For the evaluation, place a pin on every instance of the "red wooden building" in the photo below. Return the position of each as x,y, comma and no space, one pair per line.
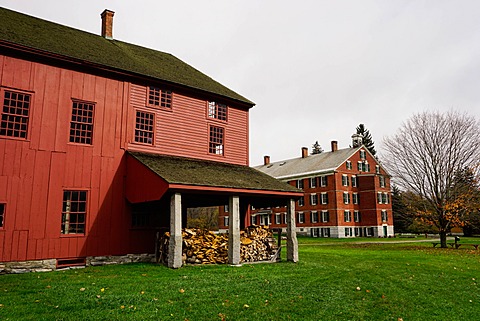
103,143
347,194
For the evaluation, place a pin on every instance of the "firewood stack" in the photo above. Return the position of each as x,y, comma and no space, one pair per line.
207,247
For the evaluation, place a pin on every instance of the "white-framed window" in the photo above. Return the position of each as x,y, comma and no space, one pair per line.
346,198
348,164
314,217
377,169
284,218
354,181
301,217
355,198
313,182
300,183
366,167
344,180
278,219
381,180
325,216
225,208
379,197
325,232
384,198
323,181
384,216
253,220
348,231
301,201
357,217
347,216
313,199
314,232
226,220
363,154
324,198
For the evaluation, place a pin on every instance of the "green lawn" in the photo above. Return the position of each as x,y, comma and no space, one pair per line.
337,281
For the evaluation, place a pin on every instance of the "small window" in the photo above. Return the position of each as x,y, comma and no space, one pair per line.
325,216
349,164
216,140
300,183
354,181
348,231
357,216
2,215
379,198
314,217
384,198
301,217
74,212
325,232
346,198
158,97
313,182
217,111
313,199
301,201
140,215
323,181
81,125
144,127
347,216
253,220
15,114
384,216
278,219
324,198
226,220
363,154
355,198
344,180
381,180
377,169
225,208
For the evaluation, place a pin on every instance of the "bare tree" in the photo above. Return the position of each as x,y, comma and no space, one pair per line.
424,156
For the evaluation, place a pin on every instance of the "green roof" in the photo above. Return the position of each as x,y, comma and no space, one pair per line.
188,171
56,39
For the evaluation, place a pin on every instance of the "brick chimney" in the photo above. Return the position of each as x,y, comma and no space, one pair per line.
107,24
304,152
266,160
334,145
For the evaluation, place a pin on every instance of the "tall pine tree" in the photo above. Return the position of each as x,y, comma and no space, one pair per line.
316,148
367,138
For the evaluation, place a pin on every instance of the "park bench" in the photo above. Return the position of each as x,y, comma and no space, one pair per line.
456,245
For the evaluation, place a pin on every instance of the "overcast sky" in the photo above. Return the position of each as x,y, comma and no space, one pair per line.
315,69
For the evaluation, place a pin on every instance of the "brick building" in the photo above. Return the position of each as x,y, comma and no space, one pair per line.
346,194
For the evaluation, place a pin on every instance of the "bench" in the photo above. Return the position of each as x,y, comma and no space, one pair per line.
474,245
456,245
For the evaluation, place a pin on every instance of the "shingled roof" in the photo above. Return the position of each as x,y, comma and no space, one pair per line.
188,171
57,40
313,164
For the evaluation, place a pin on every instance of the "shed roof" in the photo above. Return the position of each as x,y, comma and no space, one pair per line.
187,171
313,164
58,40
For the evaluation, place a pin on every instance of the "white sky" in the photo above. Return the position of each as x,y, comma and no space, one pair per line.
315,68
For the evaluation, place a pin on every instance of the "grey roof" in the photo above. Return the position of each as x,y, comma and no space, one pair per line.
188,171
313,164
54,40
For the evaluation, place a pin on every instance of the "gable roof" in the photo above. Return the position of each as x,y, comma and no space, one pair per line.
313,164
187,171
50,38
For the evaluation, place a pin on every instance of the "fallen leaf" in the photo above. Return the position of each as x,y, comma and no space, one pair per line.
246,306
98,296
82,289
181,291
48,286
142,292
358,288
368,291
400,319
102,290
122,307
383,296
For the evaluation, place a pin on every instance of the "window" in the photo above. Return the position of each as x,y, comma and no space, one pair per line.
348,164
379,198
344,180
278,219
284,218
141,215
377,169
225,208
324,198
313,199
301,217
301,201
158,97
385,198
226,220
2,215
253,220
81,125
217,111
384,216
216,140
346,198
363,154
323,181
314,232
325,232
300,183
357,217
74,212
314,217
15,113
347,216
348,231
381,180
313,182
355,198
354,181
363,166
325,216
144,127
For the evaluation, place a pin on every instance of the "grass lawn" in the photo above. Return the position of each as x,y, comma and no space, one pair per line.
337,281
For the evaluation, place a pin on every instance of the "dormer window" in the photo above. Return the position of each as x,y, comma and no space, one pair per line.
158,97
217,111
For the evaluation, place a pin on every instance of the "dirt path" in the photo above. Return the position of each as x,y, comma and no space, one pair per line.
380,242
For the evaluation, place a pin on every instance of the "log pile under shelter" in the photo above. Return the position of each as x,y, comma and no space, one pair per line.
207,247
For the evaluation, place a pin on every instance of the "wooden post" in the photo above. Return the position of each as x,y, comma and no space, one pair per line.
175,243
292,243
279,244
234,231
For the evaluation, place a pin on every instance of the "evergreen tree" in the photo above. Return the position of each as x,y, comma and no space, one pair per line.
367,138
316,148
